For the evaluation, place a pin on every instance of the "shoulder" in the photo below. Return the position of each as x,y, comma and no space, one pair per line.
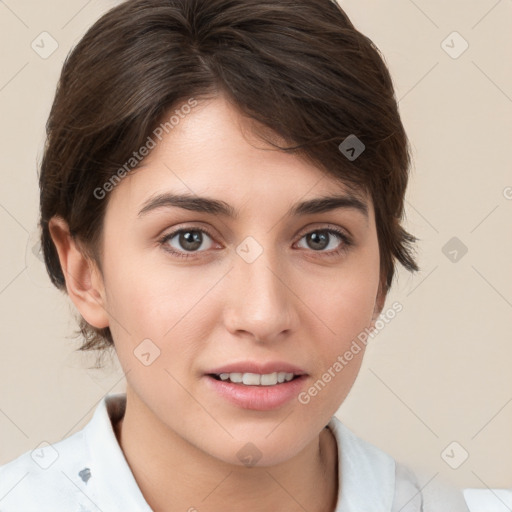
371,480
422,492
85,472
49,477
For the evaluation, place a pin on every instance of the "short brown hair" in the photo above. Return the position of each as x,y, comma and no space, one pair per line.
298,67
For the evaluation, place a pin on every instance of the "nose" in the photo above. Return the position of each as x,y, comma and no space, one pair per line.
261,304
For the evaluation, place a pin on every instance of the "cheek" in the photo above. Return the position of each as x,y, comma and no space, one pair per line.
148,298
341,305
344,300
158,303
345,312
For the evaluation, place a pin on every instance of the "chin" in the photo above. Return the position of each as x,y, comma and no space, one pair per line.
261,450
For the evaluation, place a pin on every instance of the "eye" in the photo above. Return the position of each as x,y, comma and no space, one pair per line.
185,240
321,239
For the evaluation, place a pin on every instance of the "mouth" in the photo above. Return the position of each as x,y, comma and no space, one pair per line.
255,379
260,387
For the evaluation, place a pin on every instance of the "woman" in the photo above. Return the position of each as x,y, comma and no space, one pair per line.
221,198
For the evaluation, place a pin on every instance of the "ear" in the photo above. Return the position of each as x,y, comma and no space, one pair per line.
84,282
379,302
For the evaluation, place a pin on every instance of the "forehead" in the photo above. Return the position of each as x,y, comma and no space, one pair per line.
215,151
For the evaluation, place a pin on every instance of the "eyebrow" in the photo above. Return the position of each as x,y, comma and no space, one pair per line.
218,207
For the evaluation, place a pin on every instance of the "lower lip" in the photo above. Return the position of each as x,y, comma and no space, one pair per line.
257,398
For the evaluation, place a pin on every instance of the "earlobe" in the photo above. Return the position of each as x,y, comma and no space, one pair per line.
84,283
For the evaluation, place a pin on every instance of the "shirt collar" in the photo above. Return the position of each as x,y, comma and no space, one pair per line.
116,487
366,474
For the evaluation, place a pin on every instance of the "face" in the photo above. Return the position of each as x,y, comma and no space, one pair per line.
196,294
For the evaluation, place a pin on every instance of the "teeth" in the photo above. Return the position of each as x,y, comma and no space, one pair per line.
269,379
256,379
251,379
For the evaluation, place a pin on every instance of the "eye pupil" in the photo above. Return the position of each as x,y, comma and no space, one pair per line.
322,240
191,242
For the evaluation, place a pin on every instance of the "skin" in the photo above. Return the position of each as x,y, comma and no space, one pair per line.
294,303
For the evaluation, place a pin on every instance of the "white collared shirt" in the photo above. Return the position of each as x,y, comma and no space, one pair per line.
87,472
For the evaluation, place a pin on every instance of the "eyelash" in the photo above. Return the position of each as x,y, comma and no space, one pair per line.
345,246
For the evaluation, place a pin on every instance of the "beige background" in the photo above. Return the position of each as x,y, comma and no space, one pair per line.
440,371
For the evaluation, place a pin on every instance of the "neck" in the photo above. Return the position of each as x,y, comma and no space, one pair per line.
174,475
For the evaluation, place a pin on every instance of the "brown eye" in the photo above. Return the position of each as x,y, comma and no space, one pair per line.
185,240
326,241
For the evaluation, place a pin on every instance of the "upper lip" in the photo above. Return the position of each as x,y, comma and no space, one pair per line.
261,368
